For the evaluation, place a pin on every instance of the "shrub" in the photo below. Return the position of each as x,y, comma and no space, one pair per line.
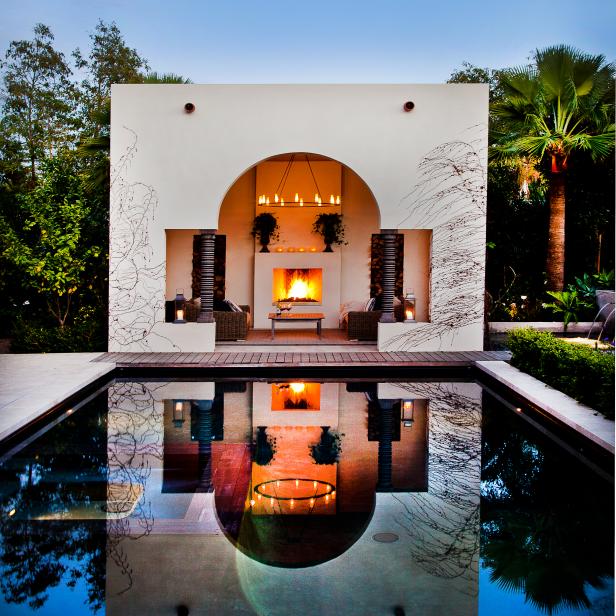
580,372
80,337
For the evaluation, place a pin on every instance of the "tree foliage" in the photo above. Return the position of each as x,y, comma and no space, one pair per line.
50,252
39,97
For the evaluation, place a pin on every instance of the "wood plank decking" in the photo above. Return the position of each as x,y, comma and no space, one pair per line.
273,359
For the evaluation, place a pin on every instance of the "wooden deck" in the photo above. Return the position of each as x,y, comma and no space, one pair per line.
267,359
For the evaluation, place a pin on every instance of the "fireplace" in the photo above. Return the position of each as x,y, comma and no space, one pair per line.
296,396
302,287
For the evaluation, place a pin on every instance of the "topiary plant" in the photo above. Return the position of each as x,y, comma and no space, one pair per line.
327,450
265,228
330,228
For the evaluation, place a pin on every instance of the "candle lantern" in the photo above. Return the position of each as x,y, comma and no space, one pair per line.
409,307
178,413
408,409
180,306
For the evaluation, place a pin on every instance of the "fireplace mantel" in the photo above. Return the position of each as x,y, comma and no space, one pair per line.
265,263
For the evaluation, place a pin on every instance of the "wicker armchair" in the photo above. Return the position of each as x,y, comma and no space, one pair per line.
229,325
232,325
364,325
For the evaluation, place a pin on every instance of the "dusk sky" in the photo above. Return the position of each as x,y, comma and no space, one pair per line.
336,41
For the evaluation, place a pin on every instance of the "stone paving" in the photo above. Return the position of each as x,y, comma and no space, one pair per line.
32,384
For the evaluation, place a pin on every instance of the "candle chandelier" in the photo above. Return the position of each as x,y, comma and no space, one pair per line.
285,197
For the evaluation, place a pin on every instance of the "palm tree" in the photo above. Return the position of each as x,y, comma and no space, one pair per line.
561,105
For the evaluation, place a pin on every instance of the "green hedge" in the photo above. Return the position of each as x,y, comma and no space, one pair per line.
42,338
578,371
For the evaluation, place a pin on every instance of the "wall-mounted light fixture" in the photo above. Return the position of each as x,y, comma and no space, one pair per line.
189,107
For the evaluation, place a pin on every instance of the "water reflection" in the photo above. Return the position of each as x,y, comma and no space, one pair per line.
264,497
544,520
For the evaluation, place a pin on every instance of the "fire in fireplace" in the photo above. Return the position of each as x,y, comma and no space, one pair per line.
296,396
298,286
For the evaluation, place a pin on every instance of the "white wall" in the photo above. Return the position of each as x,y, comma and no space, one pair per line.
172,170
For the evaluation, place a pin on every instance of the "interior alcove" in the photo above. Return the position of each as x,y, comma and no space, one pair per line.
298,244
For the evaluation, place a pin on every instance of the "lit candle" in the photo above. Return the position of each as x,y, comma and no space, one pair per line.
409,314
296,197
277,484
281,202
338,200
276,197
301,203
314,484
292,503
180,314
267,201
327,498
258,496
334,494
252,502
312,502
296,483
331,200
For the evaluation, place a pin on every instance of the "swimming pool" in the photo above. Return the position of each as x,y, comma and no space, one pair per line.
298,496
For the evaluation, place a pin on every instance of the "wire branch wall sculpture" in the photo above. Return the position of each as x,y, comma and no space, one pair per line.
444,522
134,442
450,199
136,283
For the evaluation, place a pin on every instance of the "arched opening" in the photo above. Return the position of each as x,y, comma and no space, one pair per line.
341,276
344,275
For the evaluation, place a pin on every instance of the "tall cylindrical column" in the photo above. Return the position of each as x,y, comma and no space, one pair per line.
386,435
388,279
206,285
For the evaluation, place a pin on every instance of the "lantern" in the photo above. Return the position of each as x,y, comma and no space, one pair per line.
409,307
178,413
408,408
180,306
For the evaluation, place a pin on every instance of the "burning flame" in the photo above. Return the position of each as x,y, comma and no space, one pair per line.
299,287
297,388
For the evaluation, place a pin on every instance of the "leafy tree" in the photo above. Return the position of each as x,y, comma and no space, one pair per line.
110,61
562,105
51,253
470,73
39,97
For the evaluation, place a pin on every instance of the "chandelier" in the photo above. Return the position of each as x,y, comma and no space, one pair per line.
288,197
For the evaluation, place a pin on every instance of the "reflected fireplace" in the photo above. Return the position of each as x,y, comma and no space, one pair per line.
297,286
296,396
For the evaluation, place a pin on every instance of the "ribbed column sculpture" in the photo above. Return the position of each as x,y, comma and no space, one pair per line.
204,434
386,435
206,284
388,280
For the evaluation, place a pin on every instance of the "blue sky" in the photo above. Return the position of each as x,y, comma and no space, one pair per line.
335,41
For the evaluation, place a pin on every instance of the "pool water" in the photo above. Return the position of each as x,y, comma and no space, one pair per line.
302,497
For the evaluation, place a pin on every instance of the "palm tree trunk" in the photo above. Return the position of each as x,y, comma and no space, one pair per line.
555,266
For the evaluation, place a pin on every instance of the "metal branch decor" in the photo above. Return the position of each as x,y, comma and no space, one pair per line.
450,199
444,522
136,283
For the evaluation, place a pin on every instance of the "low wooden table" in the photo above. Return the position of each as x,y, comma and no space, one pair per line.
297,316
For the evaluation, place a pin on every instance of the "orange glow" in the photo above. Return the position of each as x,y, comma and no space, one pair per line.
409,314
296,397
297,284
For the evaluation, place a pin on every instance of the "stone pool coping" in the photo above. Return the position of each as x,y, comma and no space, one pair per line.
33,384
581,418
